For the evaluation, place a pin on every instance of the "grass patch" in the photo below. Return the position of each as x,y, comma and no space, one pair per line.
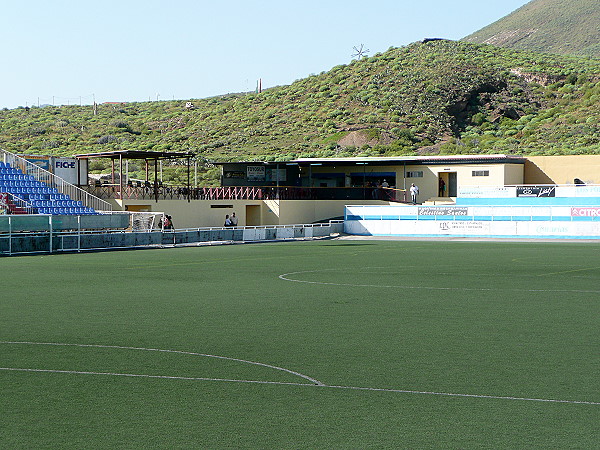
498,319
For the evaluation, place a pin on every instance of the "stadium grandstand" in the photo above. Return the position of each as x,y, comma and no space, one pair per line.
24,194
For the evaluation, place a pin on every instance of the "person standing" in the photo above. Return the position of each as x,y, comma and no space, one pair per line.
442,187
414,191
233,219
227,221
168,222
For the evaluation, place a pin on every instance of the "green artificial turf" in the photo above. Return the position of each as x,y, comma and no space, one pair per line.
510,320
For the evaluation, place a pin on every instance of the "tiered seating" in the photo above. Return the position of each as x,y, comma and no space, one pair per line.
45,200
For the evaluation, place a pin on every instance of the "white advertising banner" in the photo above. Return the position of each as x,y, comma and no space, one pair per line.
255,173
503,221
578,191
66,168
487,192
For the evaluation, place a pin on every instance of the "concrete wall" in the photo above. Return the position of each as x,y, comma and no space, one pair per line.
562,169
211,213
199,213
531,222
18,223
514,174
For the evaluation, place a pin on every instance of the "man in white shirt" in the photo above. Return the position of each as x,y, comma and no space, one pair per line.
414,191
234,220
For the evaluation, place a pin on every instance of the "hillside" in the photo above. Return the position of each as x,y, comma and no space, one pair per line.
554,26
426,98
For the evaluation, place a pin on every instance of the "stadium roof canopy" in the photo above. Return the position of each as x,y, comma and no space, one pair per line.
121,155
136,154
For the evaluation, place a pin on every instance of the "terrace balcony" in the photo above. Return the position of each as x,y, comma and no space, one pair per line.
168,192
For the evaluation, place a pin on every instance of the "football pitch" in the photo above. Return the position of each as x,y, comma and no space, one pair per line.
322,344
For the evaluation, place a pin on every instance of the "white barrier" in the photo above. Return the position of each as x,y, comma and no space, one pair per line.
559,222
51,240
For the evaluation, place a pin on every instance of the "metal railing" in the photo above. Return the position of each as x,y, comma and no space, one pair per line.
79,240
247,193
19,206
64,187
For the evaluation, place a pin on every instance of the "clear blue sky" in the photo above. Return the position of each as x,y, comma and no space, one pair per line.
134,50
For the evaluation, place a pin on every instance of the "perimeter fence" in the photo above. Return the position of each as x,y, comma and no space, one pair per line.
50,240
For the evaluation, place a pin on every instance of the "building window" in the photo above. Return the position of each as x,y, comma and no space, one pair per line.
415,174
480,173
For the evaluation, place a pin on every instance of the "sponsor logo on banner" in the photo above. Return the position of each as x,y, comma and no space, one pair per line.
585,212
536,191
443,211
44,163
463,226
66,168
486,192
255,173
552,229
234,174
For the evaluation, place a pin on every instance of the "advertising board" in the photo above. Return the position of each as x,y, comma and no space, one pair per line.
255,173
585,212
486,191
66,168
536,191
443,211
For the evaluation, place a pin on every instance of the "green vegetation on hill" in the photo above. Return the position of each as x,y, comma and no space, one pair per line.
555,26
435,97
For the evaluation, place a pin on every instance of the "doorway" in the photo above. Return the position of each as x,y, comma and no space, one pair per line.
252,215
447,186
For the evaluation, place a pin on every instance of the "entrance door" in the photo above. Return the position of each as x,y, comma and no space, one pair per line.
252,215
452,186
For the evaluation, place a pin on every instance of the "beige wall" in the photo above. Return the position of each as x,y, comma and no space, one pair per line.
202,213
514,174
499,174
309,211
562,169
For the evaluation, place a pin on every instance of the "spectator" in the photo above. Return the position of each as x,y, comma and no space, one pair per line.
414,191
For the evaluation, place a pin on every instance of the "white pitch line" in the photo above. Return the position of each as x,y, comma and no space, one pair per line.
281,383
285,276
298,374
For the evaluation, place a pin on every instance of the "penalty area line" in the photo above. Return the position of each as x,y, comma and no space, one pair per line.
282,383
286,277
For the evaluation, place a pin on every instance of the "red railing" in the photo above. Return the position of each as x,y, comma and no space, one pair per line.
247,193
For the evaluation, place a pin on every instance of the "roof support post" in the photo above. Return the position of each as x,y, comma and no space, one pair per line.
156,180
121,178
188,179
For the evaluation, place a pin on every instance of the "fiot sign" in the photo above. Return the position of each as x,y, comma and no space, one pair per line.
585,212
